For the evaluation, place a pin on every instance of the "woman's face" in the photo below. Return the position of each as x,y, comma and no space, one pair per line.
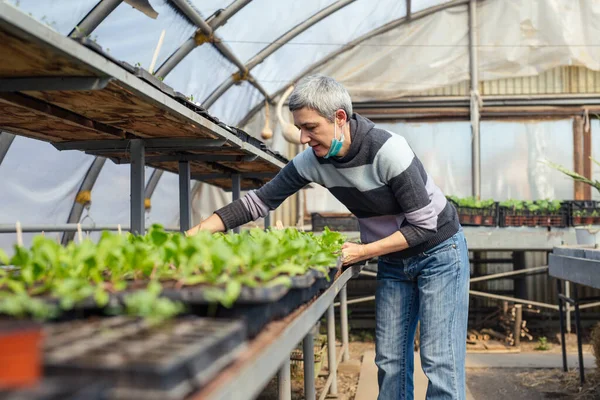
316,130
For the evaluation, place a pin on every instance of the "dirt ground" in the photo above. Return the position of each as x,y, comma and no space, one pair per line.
484,383
531,384
347,382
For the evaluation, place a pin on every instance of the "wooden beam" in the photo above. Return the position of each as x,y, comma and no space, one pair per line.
578,121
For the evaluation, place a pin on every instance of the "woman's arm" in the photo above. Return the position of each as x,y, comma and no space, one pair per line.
212,224
354,252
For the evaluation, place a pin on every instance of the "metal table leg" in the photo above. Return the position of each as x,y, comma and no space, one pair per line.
562,325
235,192
344,323
331,349
578,327
284,383
138,182
185,220
309,367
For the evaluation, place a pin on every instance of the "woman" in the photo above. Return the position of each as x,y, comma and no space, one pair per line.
405,221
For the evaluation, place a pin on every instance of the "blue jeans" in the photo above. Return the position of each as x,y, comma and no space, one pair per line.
432,287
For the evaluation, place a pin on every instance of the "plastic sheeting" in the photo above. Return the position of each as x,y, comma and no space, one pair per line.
512,155
38,185
165,202
515,38
247,39
325,37
129,35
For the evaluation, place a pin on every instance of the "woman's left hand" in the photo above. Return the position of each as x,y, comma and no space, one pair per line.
353,253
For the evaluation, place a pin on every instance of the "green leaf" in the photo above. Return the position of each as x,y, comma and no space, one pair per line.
4,258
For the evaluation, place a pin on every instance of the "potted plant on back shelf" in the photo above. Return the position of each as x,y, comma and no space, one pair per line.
513,212
549,213
531,217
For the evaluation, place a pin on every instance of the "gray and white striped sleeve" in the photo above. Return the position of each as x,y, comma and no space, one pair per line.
257,203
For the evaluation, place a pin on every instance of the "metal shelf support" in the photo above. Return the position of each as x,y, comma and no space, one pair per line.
185,220
137,186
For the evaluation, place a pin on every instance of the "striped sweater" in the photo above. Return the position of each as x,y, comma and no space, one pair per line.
380,180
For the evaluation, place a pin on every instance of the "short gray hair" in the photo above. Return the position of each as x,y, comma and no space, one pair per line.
323,94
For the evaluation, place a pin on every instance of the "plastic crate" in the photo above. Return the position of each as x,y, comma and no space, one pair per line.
335,222
469,216
584,212
510,217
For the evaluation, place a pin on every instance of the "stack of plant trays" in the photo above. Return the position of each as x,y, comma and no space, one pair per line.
141,360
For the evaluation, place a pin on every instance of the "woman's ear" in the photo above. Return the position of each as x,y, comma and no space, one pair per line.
341,117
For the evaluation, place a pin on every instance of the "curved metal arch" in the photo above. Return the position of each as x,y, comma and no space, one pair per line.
277,44
205,34
350,45
86,185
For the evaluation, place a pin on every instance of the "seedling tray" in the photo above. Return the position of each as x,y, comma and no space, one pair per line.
54,388
469,216
144,361
510,217
584,212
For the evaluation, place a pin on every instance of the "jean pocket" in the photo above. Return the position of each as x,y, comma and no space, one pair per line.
440,248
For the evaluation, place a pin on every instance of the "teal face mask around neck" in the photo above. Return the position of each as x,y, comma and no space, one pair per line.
336,145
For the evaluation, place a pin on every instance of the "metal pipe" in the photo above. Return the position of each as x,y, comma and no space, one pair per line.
185,214
474,66
284,382
329,380
193,15
344,322
510,273
368,273
6,140
94,18
10,228
206,29
331,349
86,185
308,352
221,18
365,299
236,183
175,58
579,335
153,183
590,305
513,299
268,220
562,325
137,186
568,305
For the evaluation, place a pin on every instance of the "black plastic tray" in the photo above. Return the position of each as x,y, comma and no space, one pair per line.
196,295
166,361
154,81
54,388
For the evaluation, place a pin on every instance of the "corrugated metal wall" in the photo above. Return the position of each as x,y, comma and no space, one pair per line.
561,80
